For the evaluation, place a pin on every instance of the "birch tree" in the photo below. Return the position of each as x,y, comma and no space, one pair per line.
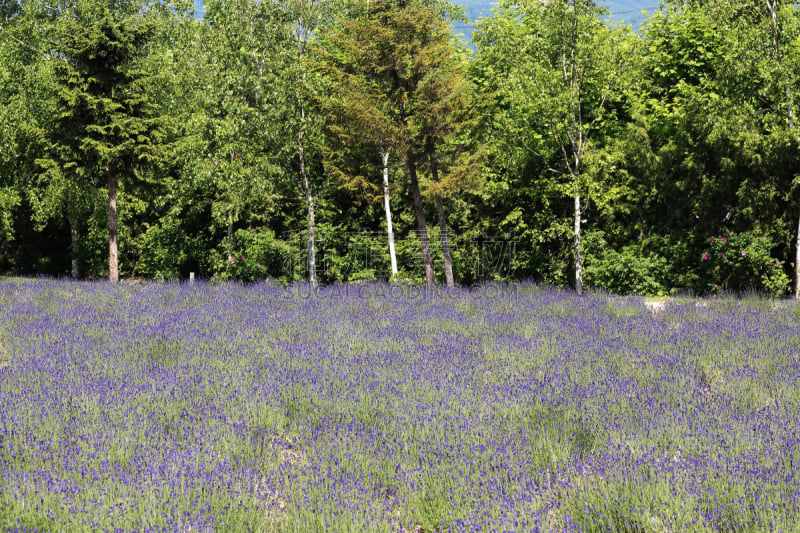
306,16
561,66
243,52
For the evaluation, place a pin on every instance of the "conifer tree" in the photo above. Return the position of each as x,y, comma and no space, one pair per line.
444,113
104,130
358,111
387,56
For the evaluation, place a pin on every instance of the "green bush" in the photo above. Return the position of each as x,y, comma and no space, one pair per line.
253,255
629,271
165,250
357,256
92,249
741,262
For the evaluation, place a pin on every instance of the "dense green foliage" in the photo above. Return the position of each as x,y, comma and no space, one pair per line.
240,141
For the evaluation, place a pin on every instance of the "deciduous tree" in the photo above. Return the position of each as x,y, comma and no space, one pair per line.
561,64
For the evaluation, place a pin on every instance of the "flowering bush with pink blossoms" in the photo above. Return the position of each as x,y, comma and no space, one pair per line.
742,260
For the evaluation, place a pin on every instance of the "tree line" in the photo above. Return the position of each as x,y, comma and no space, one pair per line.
345,140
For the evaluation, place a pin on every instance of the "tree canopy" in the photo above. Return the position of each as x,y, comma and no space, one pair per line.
290,140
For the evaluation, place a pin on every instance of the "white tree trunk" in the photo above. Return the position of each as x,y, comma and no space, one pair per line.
578,259
113,256
389,230
312,257
301,32
229,240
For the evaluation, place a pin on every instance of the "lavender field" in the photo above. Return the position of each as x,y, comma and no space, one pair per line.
159,407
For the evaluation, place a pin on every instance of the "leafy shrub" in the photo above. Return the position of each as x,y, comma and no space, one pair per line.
165,250
629,271
741,261
254,255
354,255
92,248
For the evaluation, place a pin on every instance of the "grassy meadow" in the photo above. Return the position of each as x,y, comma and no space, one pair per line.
378,408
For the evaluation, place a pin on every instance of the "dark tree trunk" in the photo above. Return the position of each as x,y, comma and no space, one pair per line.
448,261
411,164
75,237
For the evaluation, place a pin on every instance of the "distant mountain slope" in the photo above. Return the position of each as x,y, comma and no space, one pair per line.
625,11
629,11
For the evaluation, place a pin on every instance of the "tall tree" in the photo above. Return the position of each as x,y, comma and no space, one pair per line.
562,65
763,49
358,111
240,97
11,107
24,56
444,114
716,116
390,54
105,127
306,16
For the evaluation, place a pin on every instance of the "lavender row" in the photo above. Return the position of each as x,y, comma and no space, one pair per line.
163,407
